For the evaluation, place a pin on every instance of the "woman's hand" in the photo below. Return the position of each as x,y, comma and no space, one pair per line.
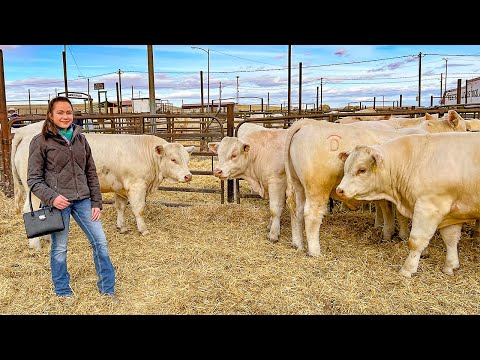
96,212
60,202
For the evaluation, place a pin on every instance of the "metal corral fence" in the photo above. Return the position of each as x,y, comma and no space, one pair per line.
190,129
193,129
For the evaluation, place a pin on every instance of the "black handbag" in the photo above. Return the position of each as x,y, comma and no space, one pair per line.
46,220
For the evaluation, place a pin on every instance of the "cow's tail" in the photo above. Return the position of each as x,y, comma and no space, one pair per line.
18,190
289,170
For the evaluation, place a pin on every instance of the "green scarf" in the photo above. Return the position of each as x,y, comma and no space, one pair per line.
67,132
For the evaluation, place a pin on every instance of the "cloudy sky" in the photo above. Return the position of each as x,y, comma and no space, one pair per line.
342,73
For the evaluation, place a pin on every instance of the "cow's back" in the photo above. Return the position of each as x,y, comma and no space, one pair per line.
267,151
122,160
444,166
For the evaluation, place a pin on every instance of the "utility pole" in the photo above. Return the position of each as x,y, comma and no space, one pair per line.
419,77
321,94
441,86
237,92
64,56
208,73
151,81
90,103
120,90
446,68
317,98
289,78
220,97
300,87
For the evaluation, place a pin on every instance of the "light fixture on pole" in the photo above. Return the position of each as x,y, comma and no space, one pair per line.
208,73
446,60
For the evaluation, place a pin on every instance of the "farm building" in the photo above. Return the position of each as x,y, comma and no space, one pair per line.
472,90
140,105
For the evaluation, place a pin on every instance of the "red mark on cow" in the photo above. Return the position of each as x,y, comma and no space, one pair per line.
334,142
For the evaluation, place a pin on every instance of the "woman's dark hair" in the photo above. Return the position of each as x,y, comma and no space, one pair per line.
49,125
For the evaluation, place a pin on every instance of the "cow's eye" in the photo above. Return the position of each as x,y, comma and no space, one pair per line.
361,171
174,161
234,156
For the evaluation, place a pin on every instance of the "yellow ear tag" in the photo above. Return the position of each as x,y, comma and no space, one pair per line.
374,168
244,154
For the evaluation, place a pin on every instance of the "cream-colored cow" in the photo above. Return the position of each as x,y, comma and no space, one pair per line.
256,156
433,179
313,170
131,166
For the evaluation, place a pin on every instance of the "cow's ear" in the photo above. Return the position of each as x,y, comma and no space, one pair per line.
343,155
189,149
213,146
160,150
246,148
428,116
377,157
453,118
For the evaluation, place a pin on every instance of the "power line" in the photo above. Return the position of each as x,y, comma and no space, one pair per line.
75,61
238,57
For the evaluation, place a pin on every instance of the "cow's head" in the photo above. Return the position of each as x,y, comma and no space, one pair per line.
453,122
173,165
360,172
232,157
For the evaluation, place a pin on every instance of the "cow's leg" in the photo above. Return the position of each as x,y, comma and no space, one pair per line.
451,235
388,219
403,230
277,201
316,207
426,217
378,214
120,205
137,201
476,230
296,203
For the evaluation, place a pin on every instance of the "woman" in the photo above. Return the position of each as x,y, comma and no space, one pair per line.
62,173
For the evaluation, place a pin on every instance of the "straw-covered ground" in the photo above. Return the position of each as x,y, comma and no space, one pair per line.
215,259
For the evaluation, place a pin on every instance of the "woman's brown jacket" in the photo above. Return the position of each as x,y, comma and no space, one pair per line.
58,168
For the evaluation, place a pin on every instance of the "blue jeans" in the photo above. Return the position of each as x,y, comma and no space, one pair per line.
81,211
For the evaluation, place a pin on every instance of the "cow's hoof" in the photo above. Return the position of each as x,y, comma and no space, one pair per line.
448,270
425,253
273,240
405,273
34,244
314,253
297,247
123,230
146,232
403,236
387,237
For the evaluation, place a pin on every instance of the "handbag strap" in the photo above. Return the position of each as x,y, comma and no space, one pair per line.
30,198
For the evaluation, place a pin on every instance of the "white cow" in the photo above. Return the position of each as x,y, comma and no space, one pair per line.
313,170
256,155
433,179
131,166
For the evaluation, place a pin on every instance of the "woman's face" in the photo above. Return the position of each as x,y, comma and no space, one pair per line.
62,115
